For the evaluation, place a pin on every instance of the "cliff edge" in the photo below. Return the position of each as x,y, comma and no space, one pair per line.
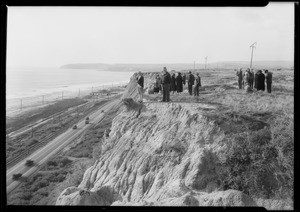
157,154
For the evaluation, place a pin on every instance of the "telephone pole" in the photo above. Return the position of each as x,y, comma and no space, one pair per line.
252,46
205,62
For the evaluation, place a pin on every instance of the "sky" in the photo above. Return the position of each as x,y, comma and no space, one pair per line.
54,36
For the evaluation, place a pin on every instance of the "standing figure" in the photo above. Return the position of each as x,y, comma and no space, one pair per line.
268,81
255,79
260,81
166,81
247,81
251,78
184,79
179,81
140,86
173,83
190,80
239,74
158,86
197,85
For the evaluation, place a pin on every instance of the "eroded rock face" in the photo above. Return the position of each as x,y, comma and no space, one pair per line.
157,154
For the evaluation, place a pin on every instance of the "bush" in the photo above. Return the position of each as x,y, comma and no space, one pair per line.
64,162
38,185
51,163
17,176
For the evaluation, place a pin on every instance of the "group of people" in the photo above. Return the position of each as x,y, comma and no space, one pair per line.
249,80
168,83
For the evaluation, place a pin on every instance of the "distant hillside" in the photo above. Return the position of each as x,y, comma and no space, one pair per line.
181,66
85,66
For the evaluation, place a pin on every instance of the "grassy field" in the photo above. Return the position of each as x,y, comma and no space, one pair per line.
259,129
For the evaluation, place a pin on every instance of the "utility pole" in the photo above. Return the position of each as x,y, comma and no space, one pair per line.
205,62
252,46
21,104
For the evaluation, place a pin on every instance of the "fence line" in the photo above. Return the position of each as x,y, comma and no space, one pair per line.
19,104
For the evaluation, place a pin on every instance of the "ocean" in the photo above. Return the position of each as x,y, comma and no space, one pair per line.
35,82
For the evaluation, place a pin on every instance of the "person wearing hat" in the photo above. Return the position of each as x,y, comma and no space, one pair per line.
140,86
197,85
166,81
190,80
268,80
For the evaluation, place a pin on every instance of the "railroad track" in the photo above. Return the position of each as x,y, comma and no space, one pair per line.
24,129
11,162
53,147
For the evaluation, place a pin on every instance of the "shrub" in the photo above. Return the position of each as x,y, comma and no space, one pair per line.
39,184
258,163
51,163
64,162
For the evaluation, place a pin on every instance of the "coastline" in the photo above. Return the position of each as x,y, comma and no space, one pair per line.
23,104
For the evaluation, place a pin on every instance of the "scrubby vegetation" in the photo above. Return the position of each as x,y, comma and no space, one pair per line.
260,163
41,184
62,172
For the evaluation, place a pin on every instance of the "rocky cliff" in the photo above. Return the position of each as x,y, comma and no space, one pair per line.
157,154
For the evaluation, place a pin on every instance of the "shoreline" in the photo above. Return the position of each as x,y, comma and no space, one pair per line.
28,104
65,88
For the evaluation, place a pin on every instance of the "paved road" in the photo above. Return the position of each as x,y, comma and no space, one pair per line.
43,154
